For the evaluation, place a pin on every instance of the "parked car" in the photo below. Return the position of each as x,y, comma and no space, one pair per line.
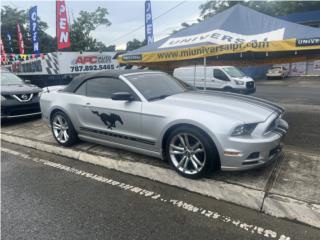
154,114
277,72
227,78
18,99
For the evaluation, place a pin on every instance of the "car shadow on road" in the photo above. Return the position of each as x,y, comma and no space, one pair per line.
18,121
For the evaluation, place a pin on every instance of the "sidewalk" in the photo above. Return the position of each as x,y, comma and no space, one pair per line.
289,187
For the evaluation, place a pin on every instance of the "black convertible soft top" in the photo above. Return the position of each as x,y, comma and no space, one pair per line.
77,81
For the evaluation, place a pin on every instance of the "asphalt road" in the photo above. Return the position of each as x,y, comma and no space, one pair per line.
302,104
43,198
290,93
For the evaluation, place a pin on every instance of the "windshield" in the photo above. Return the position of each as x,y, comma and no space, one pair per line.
155,86
8,78
234,72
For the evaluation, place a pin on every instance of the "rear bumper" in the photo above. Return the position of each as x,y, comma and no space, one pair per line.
275,75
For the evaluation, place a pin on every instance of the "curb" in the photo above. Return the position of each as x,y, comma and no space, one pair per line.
285,207
277,206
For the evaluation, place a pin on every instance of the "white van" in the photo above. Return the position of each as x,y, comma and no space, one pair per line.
226,78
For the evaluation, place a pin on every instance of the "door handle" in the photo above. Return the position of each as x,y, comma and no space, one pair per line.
87,105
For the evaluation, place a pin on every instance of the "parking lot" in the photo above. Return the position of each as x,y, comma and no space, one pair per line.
287,188
160,120
301,99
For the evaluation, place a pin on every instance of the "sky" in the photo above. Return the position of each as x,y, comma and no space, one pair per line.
125,16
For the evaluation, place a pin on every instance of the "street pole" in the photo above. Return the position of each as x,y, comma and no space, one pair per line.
205,72
194,75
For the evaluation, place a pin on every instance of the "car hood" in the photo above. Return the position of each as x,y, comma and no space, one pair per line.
19,89
54,88
244,79
238,107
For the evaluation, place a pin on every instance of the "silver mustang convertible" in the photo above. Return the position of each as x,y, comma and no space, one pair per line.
153,113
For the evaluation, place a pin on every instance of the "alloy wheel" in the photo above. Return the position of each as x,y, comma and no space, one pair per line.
60,128
187,153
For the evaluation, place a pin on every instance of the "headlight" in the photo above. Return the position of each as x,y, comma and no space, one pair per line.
245,129
3,98
40,93
239,82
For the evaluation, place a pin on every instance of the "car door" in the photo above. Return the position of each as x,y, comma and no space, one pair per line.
204,81
116,121
220,78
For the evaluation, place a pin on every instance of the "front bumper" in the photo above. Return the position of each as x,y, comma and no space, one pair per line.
249,87
20,110
245,90
252,152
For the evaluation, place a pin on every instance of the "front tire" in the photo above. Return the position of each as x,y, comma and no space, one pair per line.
190,152
228,89
63,130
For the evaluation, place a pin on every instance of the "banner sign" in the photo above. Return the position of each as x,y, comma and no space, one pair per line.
66,63
34,67
214,50
34,28
44,64
316,65
20,39
148,23
62,26
3,52
75,62
298,68
219,36
9,38
308,42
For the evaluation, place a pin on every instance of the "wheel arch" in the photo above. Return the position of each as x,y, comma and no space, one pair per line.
228,88
54,110
177,125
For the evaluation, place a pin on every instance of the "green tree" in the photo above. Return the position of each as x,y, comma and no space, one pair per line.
110,48
134,44
84,25
185,25
273,8
9,19
100,46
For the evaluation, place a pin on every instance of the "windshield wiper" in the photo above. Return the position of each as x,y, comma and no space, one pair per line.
159,97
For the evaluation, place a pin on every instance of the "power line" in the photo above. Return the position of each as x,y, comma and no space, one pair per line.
189,21
142,26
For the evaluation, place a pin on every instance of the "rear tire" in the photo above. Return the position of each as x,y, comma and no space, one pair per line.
63,130
191,153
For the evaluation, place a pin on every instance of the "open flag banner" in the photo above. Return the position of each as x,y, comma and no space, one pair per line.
62,26
20,39
3,53
148,22
34,28
238,35
9,38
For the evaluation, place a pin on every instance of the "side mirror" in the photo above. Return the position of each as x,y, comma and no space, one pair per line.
122,96
27,81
